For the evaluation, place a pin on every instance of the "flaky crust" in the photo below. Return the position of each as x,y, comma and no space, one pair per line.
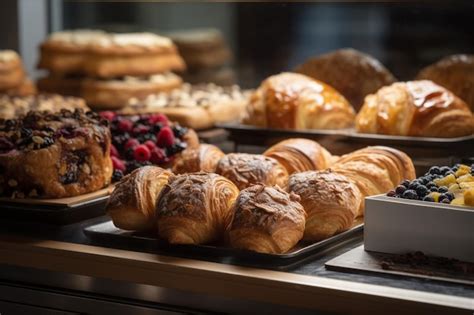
132,204
299,155
295,101
351,72
331,202
245,170
415,108
266,220
203,158
195,208
455,73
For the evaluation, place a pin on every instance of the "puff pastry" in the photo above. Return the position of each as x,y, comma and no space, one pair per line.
195,208
203,158
266,220
415,108
132,203
299,155
295,101
245,170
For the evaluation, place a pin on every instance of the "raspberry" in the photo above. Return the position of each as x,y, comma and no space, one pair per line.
165,137
118,164
158,156
158,118
113,151
131,143
150,144
109,115
125,125
141,153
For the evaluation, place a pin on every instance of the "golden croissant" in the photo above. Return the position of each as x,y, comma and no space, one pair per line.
203,158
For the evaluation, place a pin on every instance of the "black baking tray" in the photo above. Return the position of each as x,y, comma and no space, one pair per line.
106,234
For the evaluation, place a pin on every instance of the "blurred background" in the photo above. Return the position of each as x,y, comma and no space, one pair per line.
265,38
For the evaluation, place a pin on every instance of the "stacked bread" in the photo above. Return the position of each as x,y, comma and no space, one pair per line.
107,69
266,203
13,80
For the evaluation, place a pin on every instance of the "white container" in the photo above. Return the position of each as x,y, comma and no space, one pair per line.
398,226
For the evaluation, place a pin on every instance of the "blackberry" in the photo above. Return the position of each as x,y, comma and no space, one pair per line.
175,148
117,175
179,131
26,132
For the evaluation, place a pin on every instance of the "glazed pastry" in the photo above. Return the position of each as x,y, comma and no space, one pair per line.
331,202
295,101
415,108
266,220
351,72
132,204
299,155
54,155
195,208
203,158
245,170
455,73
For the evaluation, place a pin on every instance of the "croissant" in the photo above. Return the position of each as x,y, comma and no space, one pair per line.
203,158
331,202
299,155
266,220
415,108
132,203
295,101
195,208
245,170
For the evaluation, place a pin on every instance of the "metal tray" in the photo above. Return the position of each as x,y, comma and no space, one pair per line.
106,234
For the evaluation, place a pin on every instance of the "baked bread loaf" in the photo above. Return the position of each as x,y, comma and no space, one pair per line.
11,70
203,158
195,208
15,106
295,101
415,108
351,72
132,204
331,202
455,73
245,170
266,220
299,155
54,155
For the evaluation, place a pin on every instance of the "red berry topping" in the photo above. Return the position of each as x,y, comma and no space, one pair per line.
140,129
125,125
118,164
165,138
131,143
109,115
158,118
113,151
158,156
150,144
141,153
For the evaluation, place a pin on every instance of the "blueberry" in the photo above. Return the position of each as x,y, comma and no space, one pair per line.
430,184
421,190
405,183
443,197
443,189
446,200
117,175
410,194
449,173
400,189
391,193
449,195
434,170
414,184
443,170
428,198
434,189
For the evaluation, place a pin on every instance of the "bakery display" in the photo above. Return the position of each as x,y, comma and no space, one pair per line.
299,155
246,170
295,101
415,108
455,73
266,220
447,185
133,201
203,158
195,106
141,140
13,80
195,208
353,73
54,155
14,106
330,200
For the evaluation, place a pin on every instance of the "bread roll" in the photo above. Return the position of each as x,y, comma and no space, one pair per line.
295,101
331,202
132,203
266,220
299,155
415,108
245,170
195,208
203,158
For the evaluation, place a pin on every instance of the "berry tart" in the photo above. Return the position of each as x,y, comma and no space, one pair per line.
448,185
147,139
54,155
